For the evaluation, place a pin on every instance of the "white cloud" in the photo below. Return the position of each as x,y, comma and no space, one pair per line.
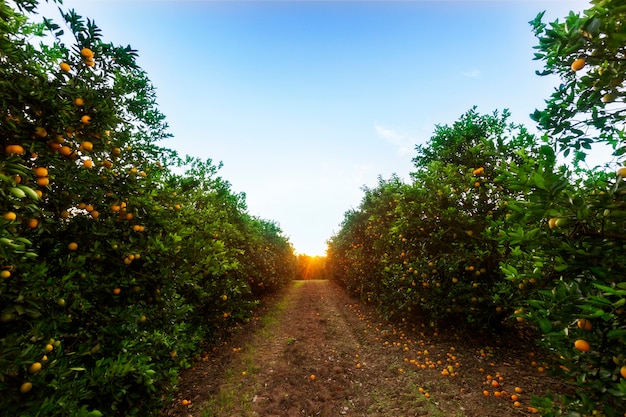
402,141
472,74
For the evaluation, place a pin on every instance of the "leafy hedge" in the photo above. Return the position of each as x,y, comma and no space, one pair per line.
115,268
493,228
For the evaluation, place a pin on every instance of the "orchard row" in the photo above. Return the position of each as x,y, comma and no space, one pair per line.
493,231
118,259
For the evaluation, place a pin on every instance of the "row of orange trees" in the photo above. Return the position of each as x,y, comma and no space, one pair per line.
117,258
493,228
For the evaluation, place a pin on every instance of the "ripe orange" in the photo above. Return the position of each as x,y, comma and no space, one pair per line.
79,101
65,67
578,64
518,390
26,386
622,371
87,53
65,150
49,347
312,377
41,172
185,402
478,171
41,132
552,222
584,324
43,181
514,397
87,146
85,119
117,291
582,345
34,368
72,246
88,163
5,274
14,149
89,63
10,216
95,214
33,223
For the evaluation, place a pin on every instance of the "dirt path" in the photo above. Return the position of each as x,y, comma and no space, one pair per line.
318,353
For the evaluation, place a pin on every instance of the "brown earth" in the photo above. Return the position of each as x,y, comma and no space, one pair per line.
317,352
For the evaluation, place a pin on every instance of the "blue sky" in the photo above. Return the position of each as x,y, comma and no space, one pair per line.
307,102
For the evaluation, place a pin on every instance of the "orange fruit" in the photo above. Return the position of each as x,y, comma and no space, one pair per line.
5,274
584,324
486,393
552,222
49,347
117,291
72,246
88,163
95,214
89,63
312,377
41,132
514,397
65,150
87,53
518,390
622,371
578,64
14,149
87,146
85,119
10,216
79,101
43,181
65,67
26,386
185,402
478,171
33,223
41,172
517,404
34,368
582,345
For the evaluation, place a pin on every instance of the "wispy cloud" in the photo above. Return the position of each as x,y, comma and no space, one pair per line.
403,142
472,74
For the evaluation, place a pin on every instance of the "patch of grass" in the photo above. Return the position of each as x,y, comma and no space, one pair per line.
235,396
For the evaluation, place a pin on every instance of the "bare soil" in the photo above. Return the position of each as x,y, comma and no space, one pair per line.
314,351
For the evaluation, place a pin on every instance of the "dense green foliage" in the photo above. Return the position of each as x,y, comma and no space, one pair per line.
492,230
115,267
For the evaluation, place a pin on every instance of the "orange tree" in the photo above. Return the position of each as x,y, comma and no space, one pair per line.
429,246
568,238
107,288
588,53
